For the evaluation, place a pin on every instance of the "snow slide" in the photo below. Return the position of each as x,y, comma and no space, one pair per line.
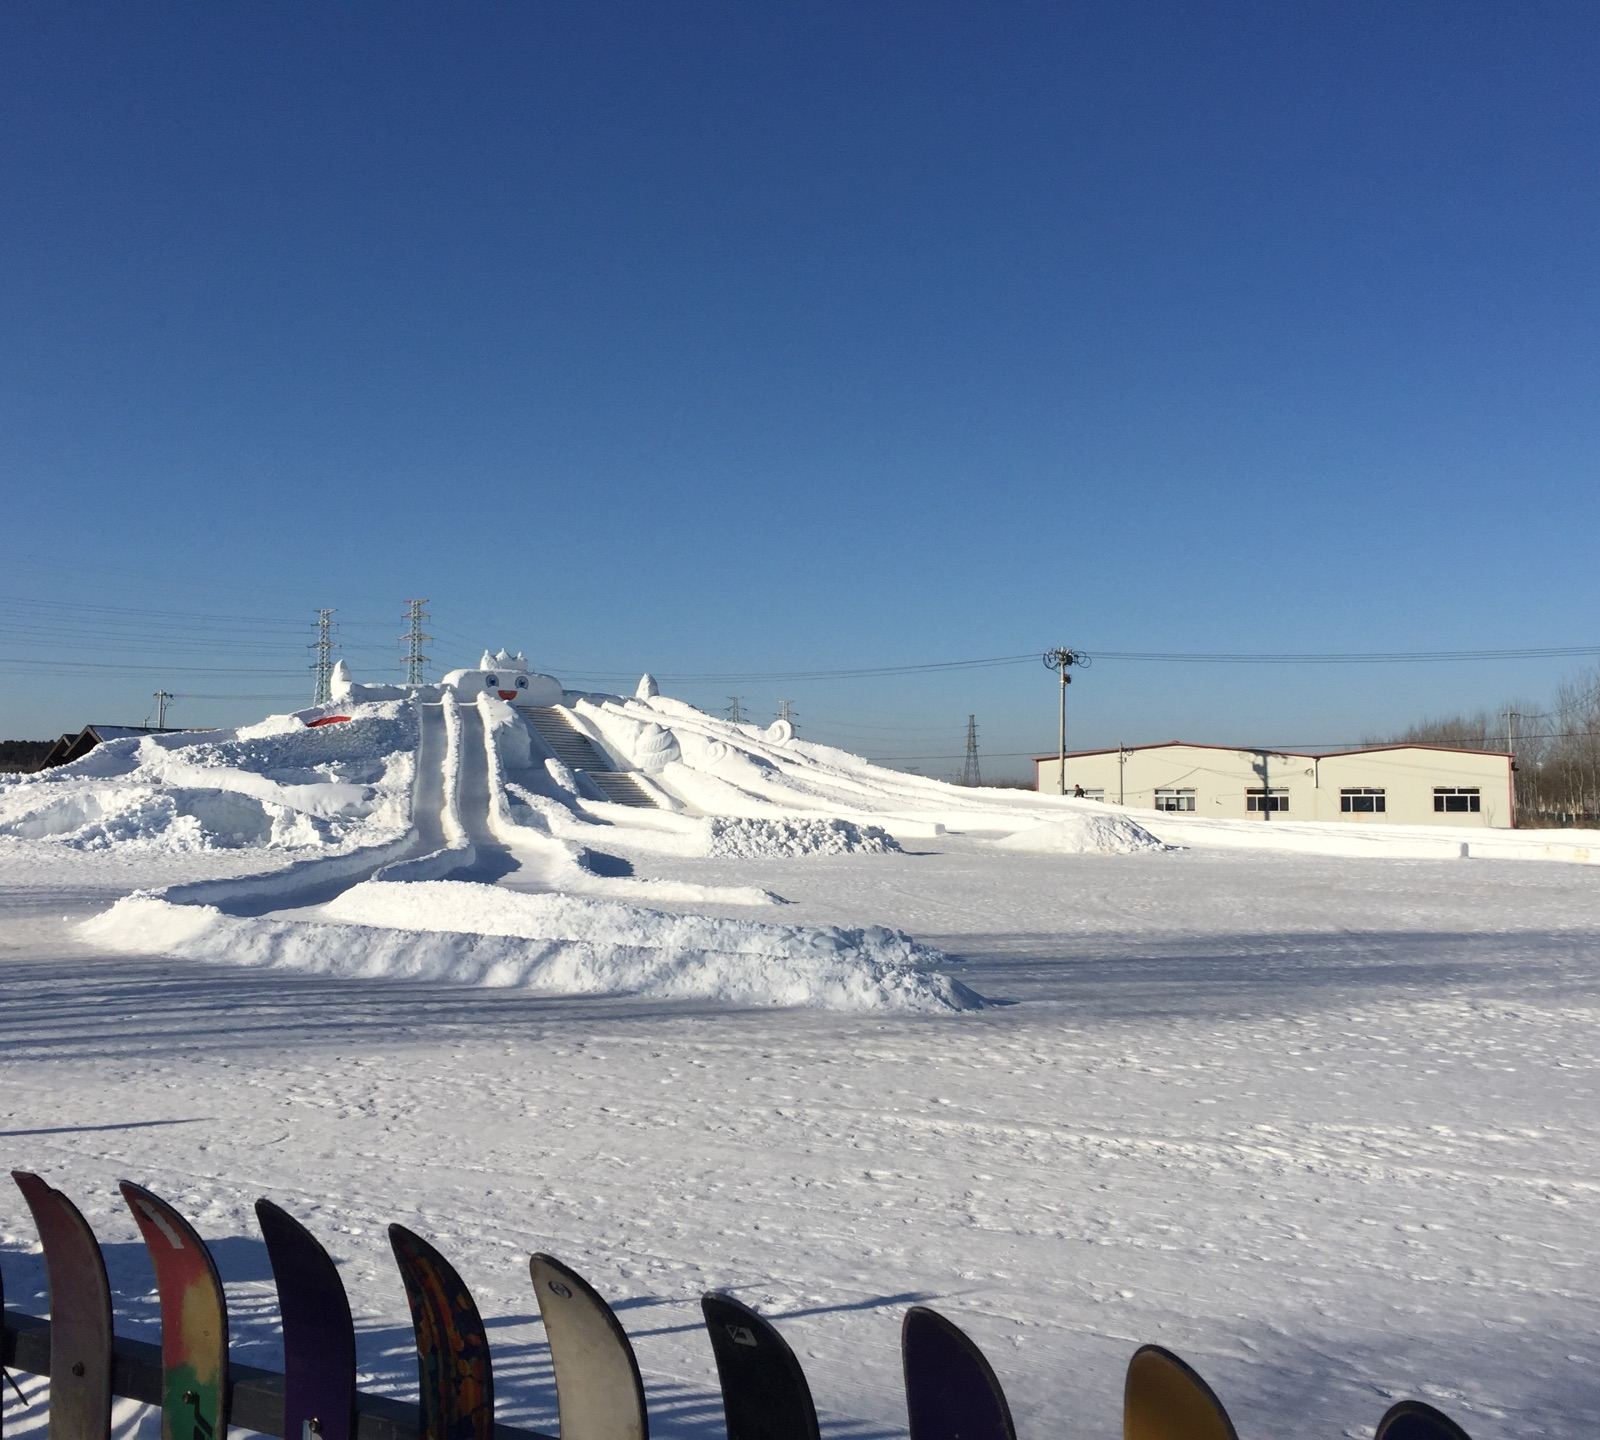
429,906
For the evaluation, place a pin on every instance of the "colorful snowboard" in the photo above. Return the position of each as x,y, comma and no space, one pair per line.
453,1371
764,1390
319,1338
80,1314
1412,1420
194,1321
1164,1399
952,1392
598,1390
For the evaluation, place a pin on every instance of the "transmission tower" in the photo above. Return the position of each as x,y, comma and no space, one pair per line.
323,666
786,712
969,771
414,638
735,712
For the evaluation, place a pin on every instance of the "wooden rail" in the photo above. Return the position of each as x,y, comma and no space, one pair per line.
255,1396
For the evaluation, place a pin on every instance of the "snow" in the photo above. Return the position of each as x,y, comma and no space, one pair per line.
731,839
1081,834
1315,1106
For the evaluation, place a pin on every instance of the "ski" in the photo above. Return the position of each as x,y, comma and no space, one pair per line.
1165,1399
80,1314
952,1392
599,1395
319,1337
764,1390
453,1370
194,1321
1413,1420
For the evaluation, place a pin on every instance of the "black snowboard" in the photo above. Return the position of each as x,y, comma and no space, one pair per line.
764,1391
951,1390
1413,1420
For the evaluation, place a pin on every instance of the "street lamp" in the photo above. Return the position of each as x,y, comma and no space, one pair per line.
1064,660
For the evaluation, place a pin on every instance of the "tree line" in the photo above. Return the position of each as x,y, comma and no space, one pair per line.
23,755
1555,747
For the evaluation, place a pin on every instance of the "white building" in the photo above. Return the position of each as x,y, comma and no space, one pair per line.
1397,784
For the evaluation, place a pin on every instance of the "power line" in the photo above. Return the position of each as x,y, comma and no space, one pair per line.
1367,657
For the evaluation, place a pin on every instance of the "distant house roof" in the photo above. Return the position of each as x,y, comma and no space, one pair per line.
1258,749
72,747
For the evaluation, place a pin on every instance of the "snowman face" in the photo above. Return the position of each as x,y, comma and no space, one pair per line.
507,684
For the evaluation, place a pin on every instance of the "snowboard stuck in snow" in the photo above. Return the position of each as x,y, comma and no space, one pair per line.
952,1391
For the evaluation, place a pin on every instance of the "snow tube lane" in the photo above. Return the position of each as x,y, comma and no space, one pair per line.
491,859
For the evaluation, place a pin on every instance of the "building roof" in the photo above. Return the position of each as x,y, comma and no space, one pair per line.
74,744
1258,749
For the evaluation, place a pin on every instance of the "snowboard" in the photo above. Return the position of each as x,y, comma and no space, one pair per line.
453,1370
194,1321
319,1338
952,1392
80,1314
599,1394
1164,1399
764,1391
1413,1420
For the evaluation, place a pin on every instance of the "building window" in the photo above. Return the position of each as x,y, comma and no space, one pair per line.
1455,799
1366,801
1170,799
1266,799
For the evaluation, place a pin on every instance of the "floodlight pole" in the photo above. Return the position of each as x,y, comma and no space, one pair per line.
1063,660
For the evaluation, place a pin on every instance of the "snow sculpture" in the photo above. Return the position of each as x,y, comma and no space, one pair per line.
780,732
655,749
506,677
648,689
343,690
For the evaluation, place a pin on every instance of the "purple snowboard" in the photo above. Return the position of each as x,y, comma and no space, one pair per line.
951,1390
319,1338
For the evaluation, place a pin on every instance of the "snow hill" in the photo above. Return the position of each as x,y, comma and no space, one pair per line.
432,836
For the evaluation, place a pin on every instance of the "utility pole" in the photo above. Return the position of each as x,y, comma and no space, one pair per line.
969,771
323,667
735,713
1064,660
161,697
414,639
786,711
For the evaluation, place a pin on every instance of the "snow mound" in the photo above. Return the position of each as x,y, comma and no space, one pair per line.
738,838
173,818
279,785
480,934
1085,835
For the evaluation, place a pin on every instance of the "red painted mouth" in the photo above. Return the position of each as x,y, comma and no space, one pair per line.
506,694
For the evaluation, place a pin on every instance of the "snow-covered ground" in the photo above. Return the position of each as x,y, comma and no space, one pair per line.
1316,1106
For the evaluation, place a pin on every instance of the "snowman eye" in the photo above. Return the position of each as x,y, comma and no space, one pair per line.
522,682
491,680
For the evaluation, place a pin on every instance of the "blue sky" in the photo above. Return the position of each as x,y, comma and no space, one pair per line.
747,340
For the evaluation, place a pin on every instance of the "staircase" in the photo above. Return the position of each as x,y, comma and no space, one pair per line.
579,753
